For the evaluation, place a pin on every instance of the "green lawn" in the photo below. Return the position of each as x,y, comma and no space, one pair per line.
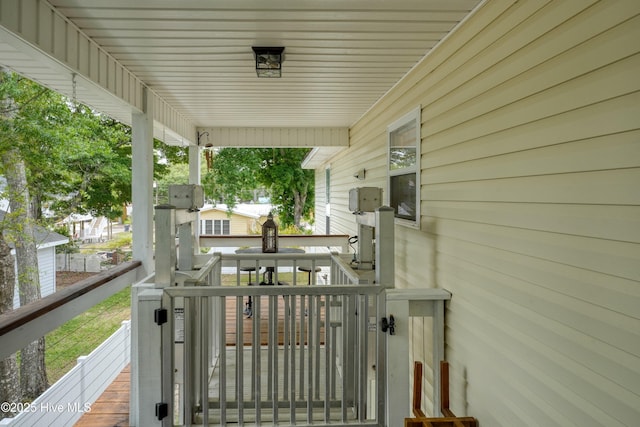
80,335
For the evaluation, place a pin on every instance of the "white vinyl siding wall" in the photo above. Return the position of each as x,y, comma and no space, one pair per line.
530,209
47,274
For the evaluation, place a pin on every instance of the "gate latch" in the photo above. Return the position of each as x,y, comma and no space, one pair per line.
388,325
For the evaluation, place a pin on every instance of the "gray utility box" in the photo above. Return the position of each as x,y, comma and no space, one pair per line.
189,196
365,199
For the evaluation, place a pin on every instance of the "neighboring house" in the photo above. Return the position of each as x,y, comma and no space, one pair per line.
243,219
79,225
47,242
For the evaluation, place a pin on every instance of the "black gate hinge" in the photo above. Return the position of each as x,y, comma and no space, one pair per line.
160,316
389,325
162,410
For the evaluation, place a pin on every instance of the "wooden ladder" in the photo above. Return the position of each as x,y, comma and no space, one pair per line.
448,419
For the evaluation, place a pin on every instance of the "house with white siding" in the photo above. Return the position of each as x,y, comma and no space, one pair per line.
46,242
509,147
528,134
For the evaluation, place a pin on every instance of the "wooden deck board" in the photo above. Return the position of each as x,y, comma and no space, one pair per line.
248,323
112,407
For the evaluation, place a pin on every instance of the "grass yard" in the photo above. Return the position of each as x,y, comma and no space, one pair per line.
80,335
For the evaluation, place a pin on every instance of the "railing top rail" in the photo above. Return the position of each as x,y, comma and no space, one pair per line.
200,275
231,291
22,315
346,269
301,240
276,256
249,238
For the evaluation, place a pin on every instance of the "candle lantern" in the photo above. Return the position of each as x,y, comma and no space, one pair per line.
269,235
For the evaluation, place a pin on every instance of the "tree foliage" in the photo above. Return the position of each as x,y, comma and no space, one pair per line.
236,174
77,159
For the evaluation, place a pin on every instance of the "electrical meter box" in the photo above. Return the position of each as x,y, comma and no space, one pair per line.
365,199
189,196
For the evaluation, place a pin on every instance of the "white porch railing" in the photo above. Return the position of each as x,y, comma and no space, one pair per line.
295,368
309,354
66,400
64,403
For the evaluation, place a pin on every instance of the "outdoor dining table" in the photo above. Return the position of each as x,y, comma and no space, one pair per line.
268,274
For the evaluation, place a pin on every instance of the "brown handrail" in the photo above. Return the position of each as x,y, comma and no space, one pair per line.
22,315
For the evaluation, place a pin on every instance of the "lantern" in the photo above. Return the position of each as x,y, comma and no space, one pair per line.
269,235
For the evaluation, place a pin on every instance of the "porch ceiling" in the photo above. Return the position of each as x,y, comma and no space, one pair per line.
341,56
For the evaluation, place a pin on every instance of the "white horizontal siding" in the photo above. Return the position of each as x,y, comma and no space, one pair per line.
47,275
530,209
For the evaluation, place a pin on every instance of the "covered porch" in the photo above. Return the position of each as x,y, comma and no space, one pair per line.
526,150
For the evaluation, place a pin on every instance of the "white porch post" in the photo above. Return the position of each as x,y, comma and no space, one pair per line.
142,198
142,183
195,178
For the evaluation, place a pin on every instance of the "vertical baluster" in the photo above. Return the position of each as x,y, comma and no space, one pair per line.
344,355
302,341
310,353
222,364
287,342
190,379
294,271
239,359
334,350
294,343
270,331
363,315
318,321
274,346
329,362
257,371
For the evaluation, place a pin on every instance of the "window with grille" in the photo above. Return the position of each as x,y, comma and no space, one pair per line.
215,226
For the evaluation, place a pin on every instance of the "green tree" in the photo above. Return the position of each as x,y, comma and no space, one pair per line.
19,225
66,156
236,174
175,173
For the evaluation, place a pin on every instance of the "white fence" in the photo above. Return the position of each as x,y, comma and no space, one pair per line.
68,399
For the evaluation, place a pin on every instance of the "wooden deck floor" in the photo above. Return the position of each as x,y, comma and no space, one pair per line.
248,323
112,407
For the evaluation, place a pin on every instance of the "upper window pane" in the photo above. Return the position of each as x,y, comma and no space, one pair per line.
402,147
403,185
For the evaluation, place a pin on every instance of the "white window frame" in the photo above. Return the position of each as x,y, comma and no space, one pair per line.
409,127
205,223
220,225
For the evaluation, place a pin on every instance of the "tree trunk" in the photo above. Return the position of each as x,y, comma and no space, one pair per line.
9,378
33,375
300,198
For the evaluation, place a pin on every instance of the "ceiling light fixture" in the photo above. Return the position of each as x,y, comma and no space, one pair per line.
268,61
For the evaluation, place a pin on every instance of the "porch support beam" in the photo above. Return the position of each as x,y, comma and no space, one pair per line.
142,183
337,137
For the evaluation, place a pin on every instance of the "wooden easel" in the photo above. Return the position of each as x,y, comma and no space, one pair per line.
448,418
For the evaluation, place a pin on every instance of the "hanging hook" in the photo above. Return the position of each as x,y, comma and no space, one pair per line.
201,134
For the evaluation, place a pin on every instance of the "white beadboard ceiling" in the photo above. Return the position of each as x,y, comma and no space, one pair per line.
341,56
